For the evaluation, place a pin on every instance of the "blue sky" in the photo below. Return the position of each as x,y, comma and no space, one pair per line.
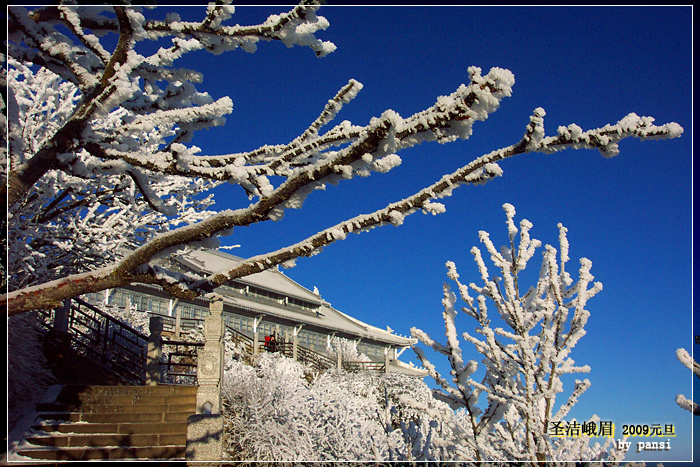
631,215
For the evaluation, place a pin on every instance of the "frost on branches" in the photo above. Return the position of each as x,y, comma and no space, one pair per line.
526,347
102,178
72,222
687,360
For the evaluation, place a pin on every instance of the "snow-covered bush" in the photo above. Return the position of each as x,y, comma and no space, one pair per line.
348,350
526,349
272,413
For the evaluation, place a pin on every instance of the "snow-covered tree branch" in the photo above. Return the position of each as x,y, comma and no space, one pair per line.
687,360
525,360
99,145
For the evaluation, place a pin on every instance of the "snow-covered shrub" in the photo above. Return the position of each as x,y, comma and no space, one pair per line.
273,414
348,350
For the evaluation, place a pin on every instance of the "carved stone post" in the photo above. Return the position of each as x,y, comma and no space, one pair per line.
210,365
154,351
60,317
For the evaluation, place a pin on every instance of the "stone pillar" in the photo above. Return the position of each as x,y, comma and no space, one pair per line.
154,351
60,317
256,339
174,308
205,433
210,364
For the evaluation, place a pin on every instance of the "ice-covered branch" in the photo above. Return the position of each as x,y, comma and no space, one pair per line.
525,362
690,363
477,171
117,123
111,81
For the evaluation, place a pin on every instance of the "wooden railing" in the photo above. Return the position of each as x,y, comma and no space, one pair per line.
239,338
320,362
355,367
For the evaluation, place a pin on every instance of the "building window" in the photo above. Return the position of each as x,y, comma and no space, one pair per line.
190,311
159,306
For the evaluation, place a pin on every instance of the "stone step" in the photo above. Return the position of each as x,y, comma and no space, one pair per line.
71,392
175,404
92,439
119,428
102,453
80,422
130,417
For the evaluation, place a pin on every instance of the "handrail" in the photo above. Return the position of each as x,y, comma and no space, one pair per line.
122,349
181,362
240,338
321,362
100,337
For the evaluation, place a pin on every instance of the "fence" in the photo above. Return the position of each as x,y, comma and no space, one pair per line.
119,347
124,350
100,337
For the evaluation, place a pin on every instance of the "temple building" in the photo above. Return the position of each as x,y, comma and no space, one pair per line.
260,305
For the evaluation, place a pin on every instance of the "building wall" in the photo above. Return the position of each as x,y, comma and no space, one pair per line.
160,305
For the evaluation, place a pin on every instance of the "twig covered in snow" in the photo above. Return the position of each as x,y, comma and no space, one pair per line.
687,360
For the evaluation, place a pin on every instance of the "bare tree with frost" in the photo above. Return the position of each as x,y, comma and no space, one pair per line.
112,146
526,348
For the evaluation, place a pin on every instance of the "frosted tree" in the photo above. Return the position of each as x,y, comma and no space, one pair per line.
71,223
273,414
526,348
113,146
347,348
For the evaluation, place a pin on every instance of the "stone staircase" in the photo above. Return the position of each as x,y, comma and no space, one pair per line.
77,422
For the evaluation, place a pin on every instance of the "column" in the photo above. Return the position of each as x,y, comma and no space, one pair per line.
296,340
154,351
210,360
256,340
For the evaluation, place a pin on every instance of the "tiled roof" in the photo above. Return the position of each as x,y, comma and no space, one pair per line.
211,261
